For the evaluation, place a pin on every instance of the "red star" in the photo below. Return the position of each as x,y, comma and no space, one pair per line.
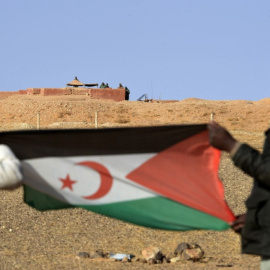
67,182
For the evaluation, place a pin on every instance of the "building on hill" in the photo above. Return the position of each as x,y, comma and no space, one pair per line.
75,87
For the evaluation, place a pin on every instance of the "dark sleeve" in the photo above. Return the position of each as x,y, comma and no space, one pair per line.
253,162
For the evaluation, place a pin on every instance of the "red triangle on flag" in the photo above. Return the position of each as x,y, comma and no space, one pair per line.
187,172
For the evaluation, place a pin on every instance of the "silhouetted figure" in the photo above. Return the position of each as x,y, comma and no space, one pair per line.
102,85
127,93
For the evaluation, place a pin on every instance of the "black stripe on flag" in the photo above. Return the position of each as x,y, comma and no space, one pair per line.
29,144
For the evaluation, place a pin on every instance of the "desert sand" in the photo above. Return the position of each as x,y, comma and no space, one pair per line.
51,240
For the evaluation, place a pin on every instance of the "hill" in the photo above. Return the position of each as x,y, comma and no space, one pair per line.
51,240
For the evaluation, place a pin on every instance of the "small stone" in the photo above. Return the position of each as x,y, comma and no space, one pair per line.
175,259
194,253
83,255
180,248
10,230
152,253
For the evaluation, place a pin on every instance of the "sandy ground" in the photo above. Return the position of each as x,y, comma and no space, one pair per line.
51,240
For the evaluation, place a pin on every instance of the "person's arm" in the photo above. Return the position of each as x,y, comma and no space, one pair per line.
253,163
245,157
221,139
10,169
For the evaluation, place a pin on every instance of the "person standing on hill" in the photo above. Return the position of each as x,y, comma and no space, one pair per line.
254,226
10,169
127,93
102,85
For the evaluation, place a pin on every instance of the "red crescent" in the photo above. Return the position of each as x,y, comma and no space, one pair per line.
106,179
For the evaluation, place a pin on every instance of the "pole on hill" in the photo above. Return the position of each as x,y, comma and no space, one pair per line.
212,116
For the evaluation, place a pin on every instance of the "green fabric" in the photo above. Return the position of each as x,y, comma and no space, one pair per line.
157,212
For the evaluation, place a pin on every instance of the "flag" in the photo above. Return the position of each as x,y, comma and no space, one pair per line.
163,177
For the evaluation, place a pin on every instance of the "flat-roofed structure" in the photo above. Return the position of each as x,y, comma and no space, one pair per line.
76,87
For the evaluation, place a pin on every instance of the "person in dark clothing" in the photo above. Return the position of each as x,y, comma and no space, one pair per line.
254,226
127,93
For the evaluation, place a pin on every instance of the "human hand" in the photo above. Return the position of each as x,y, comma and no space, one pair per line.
220,138
238,224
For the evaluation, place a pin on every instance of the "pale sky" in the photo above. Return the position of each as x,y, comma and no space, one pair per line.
173,49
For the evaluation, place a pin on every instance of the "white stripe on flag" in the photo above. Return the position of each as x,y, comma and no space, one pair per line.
43,174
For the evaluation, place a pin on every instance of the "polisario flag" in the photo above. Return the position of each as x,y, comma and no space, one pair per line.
163,177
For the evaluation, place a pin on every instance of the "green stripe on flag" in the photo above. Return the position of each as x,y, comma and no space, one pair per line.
160,213
41,201
157,212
